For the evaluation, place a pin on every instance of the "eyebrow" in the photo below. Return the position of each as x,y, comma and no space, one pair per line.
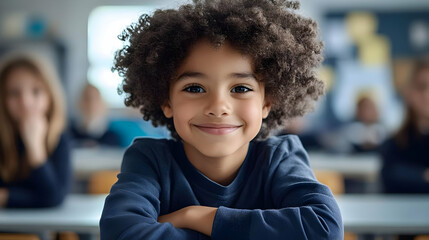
240,75
244,75
191,75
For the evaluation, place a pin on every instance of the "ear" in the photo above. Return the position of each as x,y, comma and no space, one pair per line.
167,110
266,108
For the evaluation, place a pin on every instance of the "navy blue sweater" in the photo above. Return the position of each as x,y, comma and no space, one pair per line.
403,167
274,195
47,185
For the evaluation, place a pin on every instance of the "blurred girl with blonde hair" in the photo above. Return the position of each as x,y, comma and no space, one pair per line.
34,151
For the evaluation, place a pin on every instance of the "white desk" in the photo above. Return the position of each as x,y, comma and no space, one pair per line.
373,214
88,160
366,166
78,213
385,214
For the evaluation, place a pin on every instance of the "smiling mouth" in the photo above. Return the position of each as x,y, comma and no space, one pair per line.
217,129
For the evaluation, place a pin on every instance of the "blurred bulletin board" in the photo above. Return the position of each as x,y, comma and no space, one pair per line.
408,31
369,49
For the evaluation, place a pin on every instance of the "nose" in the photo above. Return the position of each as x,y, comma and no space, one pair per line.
218,105
26,102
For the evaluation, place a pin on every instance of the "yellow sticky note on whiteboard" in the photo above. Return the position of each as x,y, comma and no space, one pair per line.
327,75
361,25
374,50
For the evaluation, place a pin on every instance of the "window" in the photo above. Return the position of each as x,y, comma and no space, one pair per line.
104,25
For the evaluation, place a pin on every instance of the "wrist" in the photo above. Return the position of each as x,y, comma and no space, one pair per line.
200,218
36,156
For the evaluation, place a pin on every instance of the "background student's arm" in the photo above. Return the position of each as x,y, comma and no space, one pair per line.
48,184
4,194
132,208
33,129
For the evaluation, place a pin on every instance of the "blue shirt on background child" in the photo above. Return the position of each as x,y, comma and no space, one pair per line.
47,185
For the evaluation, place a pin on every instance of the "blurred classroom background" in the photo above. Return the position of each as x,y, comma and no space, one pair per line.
370,47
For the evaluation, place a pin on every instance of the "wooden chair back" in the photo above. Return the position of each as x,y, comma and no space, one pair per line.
332,179
18,236
100,182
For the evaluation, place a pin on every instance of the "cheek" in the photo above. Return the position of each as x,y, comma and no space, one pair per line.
251,112
419,104
43,104
183,112
13,108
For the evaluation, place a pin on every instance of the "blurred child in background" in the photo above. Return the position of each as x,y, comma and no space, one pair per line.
406,155
34,152
365,133
91,128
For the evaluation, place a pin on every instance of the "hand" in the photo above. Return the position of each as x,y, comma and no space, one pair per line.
4,195
197,218
426,175
33,130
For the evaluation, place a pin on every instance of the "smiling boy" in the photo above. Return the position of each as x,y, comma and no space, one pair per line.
221,75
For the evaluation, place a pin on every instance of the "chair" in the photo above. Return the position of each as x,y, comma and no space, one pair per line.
18,236
67,236
350,236
100,182
422,237
335,181
332,179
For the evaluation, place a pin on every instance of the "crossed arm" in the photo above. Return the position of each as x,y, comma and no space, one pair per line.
197,218
306,210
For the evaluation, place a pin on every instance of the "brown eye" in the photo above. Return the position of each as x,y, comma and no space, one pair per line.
36,91
241,89
13,93
194,89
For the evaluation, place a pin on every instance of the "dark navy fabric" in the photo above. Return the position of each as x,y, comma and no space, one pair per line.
47,185
274,195
404,166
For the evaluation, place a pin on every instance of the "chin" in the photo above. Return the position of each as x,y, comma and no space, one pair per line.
216,154
219,150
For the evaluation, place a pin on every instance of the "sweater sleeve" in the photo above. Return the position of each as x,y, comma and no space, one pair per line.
304,208
132,208
48,184
400,175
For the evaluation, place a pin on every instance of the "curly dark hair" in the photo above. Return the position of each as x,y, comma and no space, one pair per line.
283,45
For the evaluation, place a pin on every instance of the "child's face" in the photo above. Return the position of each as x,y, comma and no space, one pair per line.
25,95
417,94
216,103
91,103
367,111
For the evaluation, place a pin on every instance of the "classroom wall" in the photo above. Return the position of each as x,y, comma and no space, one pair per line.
68,21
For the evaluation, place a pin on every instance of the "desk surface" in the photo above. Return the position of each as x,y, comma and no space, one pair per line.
362,166
385,214
86,161
78,213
